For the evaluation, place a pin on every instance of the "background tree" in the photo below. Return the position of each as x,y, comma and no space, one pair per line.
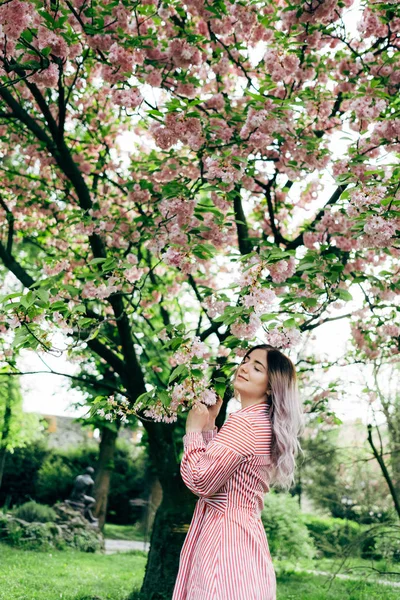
17,428
219,222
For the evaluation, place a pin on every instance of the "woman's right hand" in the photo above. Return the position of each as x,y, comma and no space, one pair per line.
213,412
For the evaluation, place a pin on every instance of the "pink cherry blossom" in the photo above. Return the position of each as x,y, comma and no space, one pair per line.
284,338
128,98
260,299
282,270
246,331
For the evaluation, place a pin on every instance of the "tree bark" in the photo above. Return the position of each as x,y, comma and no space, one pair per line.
385,472
5,429
105,466
168,533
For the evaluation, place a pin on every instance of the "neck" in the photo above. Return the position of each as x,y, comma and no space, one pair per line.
250,401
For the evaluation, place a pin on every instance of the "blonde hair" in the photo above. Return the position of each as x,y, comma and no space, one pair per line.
286,415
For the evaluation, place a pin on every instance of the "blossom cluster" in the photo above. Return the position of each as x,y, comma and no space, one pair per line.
284,338
115,408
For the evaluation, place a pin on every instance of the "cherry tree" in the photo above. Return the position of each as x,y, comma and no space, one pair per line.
231,216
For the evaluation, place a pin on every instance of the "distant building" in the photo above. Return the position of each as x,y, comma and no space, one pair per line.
64,432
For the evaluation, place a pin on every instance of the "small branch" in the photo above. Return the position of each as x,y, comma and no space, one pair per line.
307,327
87,380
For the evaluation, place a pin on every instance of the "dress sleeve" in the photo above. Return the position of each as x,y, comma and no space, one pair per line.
208,436
206,469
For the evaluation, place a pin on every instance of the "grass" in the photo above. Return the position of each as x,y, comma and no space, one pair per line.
29,575
352,567
302,586
69,575
123,532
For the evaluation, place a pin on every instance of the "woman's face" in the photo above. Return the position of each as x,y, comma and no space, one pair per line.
251,376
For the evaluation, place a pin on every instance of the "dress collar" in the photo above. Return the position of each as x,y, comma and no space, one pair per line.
254,407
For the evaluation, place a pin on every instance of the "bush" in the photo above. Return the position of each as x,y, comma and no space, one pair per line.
47,476
287,534
57,474
382,542
70,530
21,473
128,479
332,535
34,512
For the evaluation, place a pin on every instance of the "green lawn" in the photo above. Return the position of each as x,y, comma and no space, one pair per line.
28,575
302,586
123,532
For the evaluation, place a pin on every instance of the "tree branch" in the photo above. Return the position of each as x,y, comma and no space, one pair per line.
87,380
242,229
10,220
298,241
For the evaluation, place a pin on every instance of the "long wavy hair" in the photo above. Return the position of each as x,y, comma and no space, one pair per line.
286,415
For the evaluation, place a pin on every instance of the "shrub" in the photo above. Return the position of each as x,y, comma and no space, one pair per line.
70,530
128,479
382,542
47,476
332,535
21,472
287,534
34,512
58,471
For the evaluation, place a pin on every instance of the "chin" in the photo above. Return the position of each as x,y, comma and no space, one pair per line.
240,385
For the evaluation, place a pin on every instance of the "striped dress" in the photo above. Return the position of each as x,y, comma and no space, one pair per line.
225,555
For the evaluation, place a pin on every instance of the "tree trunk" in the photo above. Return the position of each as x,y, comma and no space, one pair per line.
169,530
174,514
5,430
385,472
105,467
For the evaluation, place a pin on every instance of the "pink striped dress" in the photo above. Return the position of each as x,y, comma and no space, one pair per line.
225,555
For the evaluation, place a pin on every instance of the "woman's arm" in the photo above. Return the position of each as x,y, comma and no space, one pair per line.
205,469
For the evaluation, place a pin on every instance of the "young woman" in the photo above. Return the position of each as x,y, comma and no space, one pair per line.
225,555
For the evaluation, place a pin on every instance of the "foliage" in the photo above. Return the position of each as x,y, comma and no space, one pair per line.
68,530
287,535
129,478
34,512
24,428
231,111
341,478
383,542
332,536
21,473
48,475
230,217
59,469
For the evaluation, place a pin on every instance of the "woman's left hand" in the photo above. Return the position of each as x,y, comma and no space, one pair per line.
197,418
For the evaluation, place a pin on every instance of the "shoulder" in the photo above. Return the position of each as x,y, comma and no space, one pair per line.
237,434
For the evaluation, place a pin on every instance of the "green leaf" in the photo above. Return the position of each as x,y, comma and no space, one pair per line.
344,295
179,370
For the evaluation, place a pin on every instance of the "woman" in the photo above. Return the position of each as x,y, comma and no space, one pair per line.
225,555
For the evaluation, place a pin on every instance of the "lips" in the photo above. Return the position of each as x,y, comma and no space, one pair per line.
241,377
